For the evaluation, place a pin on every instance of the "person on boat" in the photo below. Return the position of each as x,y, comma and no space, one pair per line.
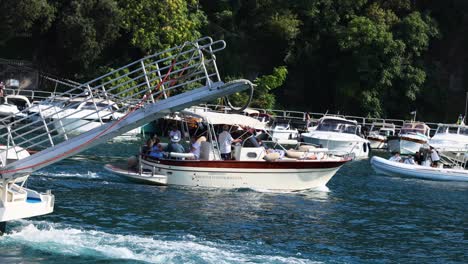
174,146
175,132
434,157
225,140
410,160
195,147
396,157
418,158
156,149
146,149
2,87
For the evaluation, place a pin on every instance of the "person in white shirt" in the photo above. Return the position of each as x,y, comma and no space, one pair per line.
434,157
396,157
175,132
225,140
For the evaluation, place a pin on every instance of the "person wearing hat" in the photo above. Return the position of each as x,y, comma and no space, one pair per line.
174,146
225,140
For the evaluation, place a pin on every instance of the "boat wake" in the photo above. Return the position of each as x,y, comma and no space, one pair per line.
67,241
65,175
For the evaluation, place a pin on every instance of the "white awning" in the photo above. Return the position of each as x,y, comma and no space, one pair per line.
225,119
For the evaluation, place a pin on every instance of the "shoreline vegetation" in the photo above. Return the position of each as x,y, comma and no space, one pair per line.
371,58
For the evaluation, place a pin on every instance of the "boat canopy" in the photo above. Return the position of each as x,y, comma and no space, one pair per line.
225,119
415,127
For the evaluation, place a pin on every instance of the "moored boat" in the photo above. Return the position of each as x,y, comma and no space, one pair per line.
412,136
378,134
451,140
392,168
338,134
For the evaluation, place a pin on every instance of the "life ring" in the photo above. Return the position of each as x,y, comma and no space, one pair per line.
242,108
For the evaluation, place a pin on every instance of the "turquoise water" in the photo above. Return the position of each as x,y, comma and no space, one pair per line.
363,218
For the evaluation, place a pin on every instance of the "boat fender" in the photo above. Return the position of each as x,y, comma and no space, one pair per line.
369,146
364,147
274,156
181,155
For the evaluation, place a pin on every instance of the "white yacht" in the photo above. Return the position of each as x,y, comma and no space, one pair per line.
413,135
451,140
281,130
82,114
339,134
378,134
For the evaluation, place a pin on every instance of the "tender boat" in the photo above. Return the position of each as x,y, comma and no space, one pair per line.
338,134
412,136
451,140
253,167
378,134
392,168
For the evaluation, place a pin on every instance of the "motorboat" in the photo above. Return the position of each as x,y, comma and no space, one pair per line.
281,130
80,114
451,140
378,134
412,136
393,168
259,168
13,105
338,134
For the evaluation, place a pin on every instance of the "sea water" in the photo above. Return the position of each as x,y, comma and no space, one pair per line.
361,218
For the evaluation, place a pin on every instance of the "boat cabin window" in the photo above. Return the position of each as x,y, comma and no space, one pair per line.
337,126
463,130
447,129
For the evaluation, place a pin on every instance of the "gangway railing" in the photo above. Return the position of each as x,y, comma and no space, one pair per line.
112,104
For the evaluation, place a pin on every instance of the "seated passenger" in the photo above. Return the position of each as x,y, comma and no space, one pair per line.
410,160
156,150
396,157
195,147
174,146
146,149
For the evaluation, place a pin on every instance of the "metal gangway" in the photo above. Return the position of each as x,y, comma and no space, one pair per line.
114,103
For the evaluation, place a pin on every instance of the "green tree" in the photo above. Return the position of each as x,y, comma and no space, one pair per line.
158,25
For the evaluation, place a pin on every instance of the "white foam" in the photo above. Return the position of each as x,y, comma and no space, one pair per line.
89,175
58,239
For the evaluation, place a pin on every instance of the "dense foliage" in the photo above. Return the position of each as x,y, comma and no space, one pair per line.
363,57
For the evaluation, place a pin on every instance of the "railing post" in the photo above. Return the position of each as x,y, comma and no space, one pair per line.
45,125
95,105
202,61
163,87
147,80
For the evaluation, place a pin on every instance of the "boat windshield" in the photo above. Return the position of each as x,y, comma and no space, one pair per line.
385,132
447,129
337,126
464,131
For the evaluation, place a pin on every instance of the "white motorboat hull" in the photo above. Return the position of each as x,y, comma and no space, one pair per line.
392,168
285,179
284,134
375,144
78,126
359,147
405,145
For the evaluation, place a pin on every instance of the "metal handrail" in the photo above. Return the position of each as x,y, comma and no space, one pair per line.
171,71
